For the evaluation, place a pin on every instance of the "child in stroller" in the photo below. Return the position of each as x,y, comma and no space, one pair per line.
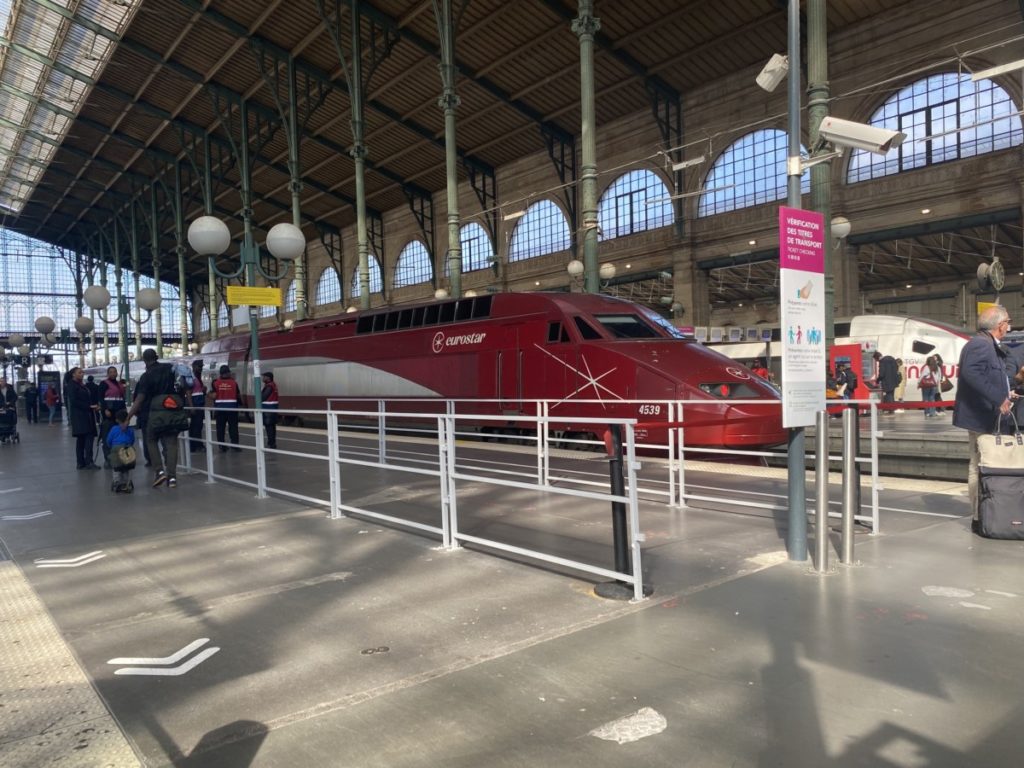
121,440
9,426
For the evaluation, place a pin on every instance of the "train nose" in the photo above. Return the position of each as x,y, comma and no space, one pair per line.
747,425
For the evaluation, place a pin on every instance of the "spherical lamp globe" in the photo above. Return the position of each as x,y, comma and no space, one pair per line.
96,297
209,236
45,324
84,325
607,271
15,340
574,268
148,298
285,241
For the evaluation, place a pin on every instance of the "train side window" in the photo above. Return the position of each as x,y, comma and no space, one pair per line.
405,318
482,307
392,321
626,326
417,316
923,348
431,315
586,329
364,324
379,322
448,312
464,309
556,333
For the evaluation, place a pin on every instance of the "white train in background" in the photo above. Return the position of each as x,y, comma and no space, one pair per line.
912,339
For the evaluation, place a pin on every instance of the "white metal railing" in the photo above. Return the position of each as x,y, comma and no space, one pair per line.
675,450
450,471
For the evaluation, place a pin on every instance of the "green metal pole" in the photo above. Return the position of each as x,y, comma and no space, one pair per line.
821,175
586,25
294,168
449,102
211,271
796,534
133,245
154,247
179,239
359,156
250,254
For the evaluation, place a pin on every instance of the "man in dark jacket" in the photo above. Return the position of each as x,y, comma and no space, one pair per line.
32,403
983,396
888,378
157,382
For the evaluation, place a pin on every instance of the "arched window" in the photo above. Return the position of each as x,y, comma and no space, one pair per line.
376,283
413,265
945,117
223,320
288,303
476,247
751,171
204,320
543,229
635,202
328,287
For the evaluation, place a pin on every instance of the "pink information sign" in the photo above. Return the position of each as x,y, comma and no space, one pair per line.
801,240
802,314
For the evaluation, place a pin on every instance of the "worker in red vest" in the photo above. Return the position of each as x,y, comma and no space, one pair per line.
268,396
226,399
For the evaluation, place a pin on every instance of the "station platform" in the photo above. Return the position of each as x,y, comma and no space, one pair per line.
200,626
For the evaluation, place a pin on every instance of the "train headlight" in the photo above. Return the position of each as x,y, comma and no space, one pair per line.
721,391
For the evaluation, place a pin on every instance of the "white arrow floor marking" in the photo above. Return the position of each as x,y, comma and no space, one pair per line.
27,517
195,661
166,660
72,562
12,490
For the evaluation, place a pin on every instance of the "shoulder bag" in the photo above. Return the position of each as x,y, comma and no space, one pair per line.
945,385
167,414
1002,451
926,381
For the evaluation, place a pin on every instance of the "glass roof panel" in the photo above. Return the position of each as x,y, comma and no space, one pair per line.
33,93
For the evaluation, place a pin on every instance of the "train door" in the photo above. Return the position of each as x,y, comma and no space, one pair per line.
509,374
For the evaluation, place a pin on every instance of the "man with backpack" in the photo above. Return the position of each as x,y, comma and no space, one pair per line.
849,378
161,396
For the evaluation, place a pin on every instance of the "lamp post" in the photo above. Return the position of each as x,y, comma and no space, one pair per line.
97,298
209,236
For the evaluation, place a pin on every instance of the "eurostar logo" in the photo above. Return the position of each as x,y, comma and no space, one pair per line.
438,344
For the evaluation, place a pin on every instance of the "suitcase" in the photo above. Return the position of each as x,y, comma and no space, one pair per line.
1001,503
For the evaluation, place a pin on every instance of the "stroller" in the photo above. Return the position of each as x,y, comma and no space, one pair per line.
8,426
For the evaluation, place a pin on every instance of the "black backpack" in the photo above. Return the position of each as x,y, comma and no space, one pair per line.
851,380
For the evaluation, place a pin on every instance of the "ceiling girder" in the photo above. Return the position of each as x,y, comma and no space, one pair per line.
314,73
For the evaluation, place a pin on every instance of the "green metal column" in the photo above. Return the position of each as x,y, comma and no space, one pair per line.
211,272
122,314
586,25
133,245
154,249
449,102
796,473
359,152
295,185
179,239
821,175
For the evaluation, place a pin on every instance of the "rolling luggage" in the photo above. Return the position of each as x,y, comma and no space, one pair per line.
1000,503
1001,485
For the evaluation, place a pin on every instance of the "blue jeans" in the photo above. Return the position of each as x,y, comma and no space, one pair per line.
930,395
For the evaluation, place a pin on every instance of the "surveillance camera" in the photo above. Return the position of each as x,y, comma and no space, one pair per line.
846,133
774,72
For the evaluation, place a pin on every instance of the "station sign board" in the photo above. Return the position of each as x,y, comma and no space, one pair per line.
802,314
243,295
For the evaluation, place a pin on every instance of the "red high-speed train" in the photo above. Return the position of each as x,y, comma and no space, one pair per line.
514,348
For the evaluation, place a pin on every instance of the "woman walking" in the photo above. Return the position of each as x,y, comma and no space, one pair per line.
82,416
931,375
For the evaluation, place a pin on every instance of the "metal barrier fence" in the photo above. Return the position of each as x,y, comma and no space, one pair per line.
675,450
448,470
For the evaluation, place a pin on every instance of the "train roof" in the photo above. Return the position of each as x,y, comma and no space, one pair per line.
489,305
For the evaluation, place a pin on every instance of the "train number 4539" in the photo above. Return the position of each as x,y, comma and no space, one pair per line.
650,409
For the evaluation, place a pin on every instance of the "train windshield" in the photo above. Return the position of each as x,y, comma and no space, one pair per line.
635,327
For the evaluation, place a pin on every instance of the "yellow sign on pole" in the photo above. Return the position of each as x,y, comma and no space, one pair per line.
241,295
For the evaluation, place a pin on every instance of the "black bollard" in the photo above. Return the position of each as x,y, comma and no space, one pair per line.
617,590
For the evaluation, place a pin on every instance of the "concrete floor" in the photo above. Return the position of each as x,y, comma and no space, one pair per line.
346,643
